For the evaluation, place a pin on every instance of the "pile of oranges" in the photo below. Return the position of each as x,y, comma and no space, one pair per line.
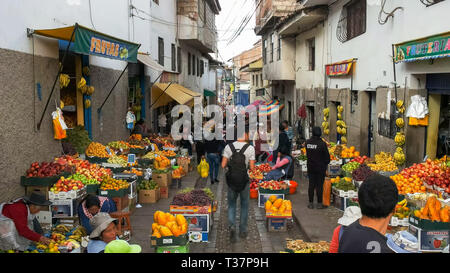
349,152
412,184
109,183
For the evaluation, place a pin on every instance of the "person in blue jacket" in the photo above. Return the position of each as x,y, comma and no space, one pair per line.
92,205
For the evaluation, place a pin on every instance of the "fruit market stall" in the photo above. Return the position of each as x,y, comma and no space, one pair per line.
299,246
278,212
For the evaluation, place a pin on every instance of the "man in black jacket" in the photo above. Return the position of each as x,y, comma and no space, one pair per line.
318,160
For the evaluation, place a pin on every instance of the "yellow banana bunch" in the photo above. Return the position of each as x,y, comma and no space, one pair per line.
326,112
400,139
81,83
400,123
399,104
343,140
86,71
399,157
87,103
402,109
326,131
90,90
340,109
325,125
340,116
61,229
64,80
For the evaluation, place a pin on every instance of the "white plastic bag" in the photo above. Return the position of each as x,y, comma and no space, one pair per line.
8,234
418,108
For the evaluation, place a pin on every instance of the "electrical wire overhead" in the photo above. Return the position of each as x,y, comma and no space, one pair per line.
244,24
389,14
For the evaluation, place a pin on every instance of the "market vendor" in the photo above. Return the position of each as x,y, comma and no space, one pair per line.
92,205
281,168
22,212
141,129
104,231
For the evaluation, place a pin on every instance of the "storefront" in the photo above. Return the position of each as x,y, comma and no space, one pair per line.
76,44
437,87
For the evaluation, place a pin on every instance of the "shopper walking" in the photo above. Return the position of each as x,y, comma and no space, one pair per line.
237,158
377,198
318,159
212,149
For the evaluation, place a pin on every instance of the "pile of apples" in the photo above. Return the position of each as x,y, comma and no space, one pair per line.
65,185
431,172
46,169
360,159
254,184
273,185
84,167
255,174
264,168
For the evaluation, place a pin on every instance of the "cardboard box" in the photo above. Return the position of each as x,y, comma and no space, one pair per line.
163,179
149,196
64,208
430,240
173,249
263,197
164,192
198,222
276,224
198,237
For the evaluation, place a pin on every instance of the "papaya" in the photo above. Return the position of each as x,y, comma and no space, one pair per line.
155,216
272,198
165,231
156,234
268,205
155,226
162,219
176,230
170,224
180,219
282,208
278,203
184,228
444,214
170,217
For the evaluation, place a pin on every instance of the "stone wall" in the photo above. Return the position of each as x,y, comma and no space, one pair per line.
20,111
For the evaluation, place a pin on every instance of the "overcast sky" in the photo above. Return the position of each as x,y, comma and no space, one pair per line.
228,21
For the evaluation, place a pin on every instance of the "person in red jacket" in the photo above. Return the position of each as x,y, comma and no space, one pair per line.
351,214
21,212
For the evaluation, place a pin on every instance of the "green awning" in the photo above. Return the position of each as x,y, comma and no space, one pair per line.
432,47
90,42
209,93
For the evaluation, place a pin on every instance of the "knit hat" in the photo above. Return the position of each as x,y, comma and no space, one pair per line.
317,131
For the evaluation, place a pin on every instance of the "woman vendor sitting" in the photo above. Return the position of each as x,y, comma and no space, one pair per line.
92,205
104,231
280,169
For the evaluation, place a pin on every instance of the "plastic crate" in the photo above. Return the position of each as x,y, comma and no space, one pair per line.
170,240
112,193
277,224
67,195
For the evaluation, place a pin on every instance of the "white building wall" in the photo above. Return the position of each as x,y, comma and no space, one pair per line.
374,48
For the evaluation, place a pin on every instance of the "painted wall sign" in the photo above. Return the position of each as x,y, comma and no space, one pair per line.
428,48
339,69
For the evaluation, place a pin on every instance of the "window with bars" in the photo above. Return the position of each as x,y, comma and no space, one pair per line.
174,58
260,92
265,51
202,68
161,51
312,54
198,67
352,22
193,65
256,80
430,2
179,59
279,48
272,37
189,63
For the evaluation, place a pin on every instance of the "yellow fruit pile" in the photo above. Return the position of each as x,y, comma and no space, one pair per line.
165,224
278,205
325,123
434,211
178,173
383,162
96,149
167,153
337,179
349,152
162,162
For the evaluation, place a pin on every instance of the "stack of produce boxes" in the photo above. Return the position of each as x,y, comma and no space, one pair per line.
169,233
278,211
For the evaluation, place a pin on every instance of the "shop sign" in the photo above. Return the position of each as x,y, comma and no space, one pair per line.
339,69
428,48
93,43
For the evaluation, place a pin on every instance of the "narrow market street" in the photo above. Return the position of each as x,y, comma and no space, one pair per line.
315,225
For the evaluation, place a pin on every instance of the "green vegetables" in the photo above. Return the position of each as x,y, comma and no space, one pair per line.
345,186
350,167
83,179
148,185
79,138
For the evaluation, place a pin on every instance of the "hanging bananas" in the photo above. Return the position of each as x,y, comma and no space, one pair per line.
325,124
344,140
64,80
399,157
400,139
399,104
340,109
86,71
400,123
81,83
326,112
87,103
90,90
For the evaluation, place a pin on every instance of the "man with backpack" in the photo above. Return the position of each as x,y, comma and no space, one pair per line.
238,157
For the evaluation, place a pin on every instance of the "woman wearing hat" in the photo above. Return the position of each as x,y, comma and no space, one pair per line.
22,213
103,231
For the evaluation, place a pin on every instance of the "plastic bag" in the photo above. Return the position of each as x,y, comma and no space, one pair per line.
203,168
59,126
8,234
148,174
326,192
418,108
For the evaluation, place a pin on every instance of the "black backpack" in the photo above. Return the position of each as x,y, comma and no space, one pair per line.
237,176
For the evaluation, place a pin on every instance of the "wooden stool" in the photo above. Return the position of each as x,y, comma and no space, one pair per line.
121,216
